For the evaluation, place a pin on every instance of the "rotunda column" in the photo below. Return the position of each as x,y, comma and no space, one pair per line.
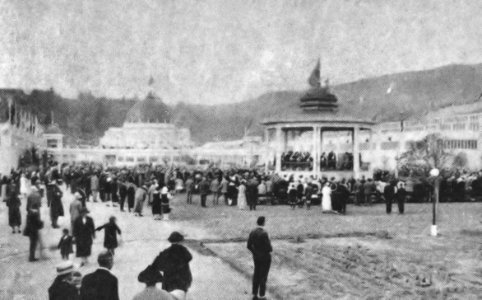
279,148
316,149
266,149
356,152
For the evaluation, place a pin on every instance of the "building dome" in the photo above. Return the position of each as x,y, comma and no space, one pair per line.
150,110
53,129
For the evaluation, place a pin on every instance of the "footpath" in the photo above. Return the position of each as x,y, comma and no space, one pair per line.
142,239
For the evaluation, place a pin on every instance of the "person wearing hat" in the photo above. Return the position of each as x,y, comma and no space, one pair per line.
260,246
32,228
75,208
56,207
150,276
174,263
34,200
84,233
13,203
63,287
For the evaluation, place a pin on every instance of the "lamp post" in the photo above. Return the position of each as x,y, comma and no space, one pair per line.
434,173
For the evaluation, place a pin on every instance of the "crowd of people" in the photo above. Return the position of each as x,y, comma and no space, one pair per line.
132,189
303,161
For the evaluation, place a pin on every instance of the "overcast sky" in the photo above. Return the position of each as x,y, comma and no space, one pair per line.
220,51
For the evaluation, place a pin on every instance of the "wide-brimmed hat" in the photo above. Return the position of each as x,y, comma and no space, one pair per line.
175,237
65,267
150,275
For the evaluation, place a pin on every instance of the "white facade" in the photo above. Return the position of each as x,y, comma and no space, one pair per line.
13,143
146,136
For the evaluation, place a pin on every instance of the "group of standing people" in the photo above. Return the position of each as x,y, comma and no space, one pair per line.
171,267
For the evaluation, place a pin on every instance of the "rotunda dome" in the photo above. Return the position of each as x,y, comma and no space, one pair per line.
150,110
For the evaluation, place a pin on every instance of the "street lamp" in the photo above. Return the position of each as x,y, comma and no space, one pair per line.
434,173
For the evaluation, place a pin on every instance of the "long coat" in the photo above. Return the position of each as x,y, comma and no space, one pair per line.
84,235
110,235
75,208
13,203
156,203
174,263
56,207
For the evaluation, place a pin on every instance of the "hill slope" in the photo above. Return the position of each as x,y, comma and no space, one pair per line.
385,98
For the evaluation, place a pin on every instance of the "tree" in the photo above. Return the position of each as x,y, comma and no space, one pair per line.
425,154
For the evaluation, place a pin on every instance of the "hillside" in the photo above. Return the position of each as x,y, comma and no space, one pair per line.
384,98
390,97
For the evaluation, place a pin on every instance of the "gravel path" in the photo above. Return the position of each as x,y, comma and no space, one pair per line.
143,239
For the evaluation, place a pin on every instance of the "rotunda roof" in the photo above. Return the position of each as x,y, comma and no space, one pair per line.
317,105
53,129
149,110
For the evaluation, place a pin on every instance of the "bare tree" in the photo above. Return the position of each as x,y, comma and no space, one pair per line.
426,154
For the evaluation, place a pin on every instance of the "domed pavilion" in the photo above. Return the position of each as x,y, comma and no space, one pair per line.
317,138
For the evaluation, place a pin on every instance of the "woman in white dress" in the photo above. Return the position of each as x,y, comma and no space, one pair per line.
326,200
24,185
242,203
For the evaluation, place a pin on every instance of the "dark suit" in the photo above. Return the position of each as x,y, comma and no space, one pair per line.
99,285
84,235
260,245
174,263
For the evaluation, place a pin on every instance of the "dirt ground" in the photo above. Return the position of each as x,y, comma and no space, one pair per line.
143,238
363,255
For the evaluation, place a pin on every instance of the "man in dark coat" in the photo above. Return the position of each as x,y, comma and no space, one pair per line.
174,263
34,224
63,287
389,195
204,191
84,233
260,245
56,207
101,284
34,200
252,193
13,203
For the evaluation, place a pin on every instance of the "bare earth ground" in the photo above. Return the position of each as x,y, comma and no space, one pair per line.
364,255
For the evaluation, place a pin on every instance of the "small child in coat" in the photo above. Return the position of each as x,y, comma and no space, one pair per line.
65,244
110,234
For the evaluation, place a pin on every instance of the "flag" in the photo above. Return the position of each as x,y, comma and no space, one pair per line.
390,88
314,79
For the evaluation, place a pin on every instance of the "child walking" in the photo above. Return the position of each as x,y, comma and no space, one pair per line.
110,234
65,244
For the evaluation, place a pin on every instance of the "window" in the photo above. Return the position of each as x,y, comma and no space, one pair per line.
130,159
390,145
458,126
460,144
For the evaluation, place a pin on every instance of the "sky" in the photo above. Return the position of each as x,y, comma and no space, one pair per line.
222,51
